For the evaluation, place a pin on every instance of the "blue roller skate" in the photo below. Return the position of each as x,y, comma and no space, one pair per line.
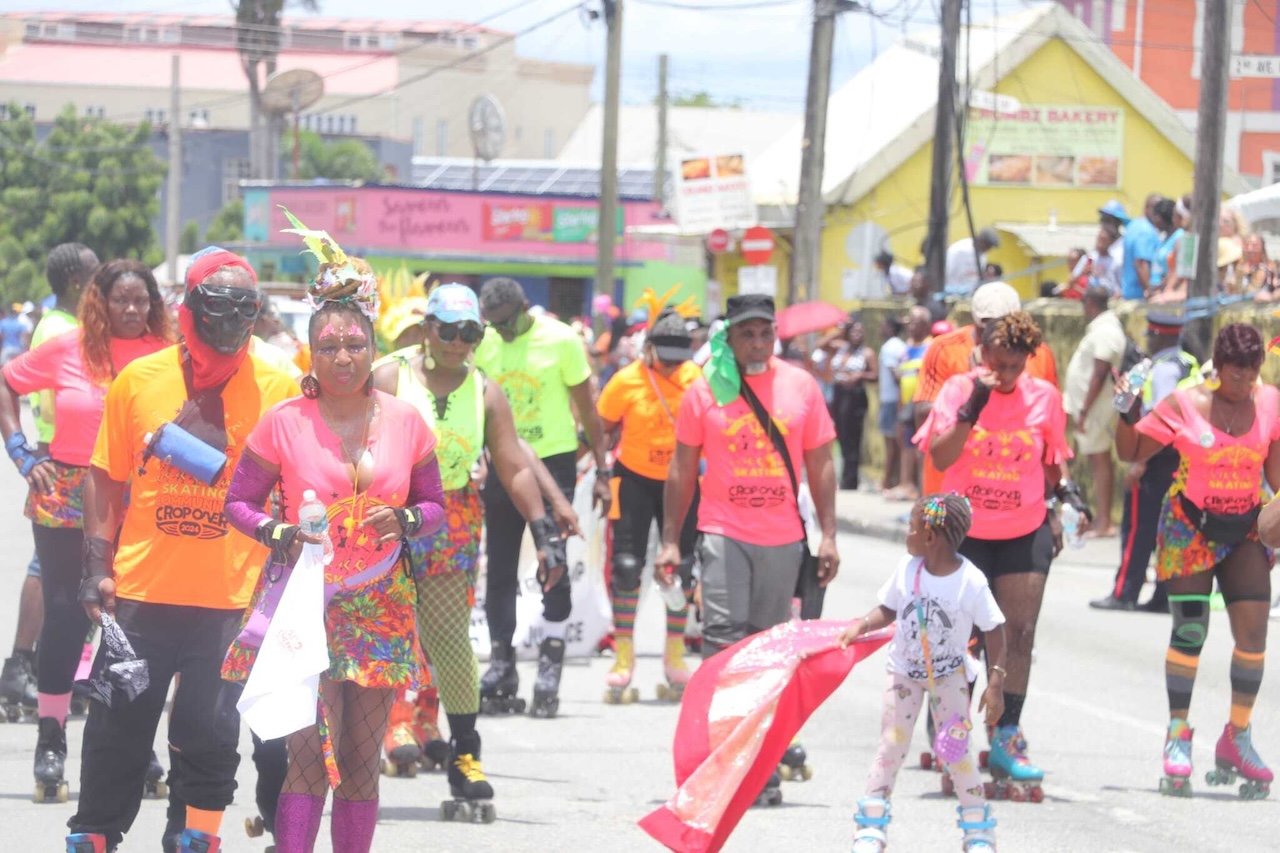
979,829
1016,778
871,836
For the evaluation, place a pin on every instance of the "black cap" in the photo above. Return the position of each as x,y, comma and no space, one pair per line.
1159,323
749,306
670,338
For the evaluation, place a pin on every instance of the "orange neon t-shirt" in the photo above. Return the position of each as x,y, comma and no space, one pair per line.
175,544
952,355
648,426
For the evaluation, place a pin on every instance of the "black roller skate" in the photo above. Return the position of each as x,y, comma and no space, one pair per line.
472,794
793,767
153,786
500,682
18,687
50,763
771,795
546,689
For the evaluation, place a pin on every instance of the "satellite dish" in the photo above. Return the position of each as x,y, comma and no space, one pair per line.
488,127
291,91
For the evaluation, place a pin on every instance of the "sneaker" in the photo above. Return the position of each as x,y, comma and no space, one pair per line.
1112,603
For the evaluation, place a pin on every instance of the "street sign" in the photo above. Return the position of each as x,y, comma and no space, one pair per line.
718,241
991,102
758,279
757,245
1255,66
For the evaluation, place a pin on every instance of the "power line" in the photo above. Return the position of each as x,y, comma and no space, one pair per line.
717,7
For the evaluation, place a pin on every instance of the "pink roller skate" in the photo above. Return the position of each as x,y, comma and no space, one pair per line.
1236,758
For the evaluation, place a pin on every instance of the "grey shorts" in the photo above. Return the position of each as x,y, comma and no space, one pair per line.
745,588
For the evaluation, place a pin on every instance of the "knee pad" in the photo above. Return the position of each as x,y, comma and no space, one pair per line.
1190,622
626,572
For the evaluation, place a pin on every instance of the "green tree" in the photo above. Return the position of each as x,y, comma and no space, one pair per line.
89,181
343,160
189,242
228,225
703,99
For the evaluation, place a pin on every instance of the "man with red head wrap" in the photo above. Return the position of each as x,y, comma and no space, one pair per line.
177,583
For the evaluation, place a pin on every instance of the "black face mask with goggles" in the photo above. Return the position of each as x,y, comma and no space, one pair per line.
224,316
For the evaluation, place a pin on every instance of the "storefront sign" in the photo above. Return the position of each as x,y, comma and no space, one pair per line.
545,222
713,191
1045,146
763,279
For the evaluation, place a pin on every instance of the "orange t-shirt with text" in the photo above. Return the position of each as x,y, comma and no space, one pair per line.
648,423
175,544
952,355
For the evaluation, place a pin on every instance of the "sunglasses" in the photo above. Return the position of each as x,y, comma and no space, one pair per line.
449,332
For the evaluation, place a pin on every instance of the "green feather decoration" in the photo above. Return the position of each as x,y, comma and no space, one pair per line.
319,243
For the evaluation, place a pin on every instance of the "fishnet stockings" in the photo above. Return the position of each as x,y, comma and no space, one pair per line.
357,722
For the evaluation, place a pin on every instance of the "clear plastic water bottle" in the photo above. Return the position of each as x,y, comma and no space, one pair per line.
1071,526
673,595
1137,377
313,518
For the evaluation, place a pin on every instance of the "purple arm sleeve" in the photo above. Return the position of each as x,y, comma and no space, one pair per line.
248,493
425,493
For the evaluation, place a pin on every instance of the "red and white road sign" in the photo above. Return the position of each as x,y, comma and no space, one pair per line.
718,241
757,245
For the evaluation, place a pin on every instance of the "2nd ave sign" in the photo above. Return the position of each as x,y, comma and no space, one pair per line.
757,245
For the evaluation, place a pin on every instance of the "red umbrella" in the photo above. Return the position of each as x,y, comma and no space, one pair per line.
806,317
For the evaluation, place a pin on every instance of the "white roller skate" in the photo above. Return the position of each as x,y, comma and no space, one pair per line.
979,828
871,836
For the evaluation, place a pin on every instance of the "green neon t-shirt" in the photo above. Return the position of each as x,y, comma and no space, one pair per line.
54,322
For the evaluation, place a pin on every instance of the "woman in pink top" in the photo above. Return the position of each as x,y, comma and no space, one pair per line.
1228,433
998,435
122,317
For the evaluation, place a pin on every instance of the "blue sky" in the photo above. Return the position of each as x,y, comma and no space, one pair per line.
757,55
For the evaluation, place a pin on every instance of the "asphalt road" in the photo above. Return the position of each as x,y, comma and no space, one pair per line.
1095,722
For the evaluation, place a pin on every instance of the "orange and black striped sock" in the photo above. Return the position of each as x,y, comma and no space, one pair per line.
1180,679
1246,678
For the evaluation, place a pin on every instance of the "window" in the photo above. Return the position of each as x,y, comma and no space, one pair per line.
198,118
95,112
351,124
442,138
549,144
234,170
388,41
470,42
328,123
30,110
419,135
1270,168
156,117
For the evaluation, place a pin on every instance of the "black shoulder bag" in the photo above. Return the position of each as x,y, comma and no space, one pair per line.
810,592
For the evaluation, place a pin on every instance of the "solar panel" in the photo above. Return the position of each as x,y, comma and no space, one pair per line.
526,178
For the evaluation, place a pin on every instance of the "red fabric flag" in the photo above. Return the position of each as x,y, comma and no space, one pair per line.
741,710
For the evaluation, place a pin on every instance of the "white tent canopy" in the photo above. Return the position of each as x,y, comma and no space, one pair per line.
1258,204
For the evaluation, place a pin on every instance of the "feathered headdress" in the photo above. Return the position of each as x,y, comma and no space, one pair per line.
344,279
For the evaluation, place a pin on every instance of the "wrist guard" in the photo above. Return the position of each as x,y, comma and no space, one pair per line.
971,408
548,541
277,536
23,454
97,555
1069,493
410,518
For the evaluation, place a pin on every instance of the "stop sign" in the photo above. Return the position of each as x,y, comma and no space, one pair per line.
757,245
718,241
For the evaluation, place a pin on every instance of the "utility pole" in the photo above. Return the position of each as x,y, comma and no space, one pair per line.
944,131
606,231
806,252
660,166
1207,189
173,192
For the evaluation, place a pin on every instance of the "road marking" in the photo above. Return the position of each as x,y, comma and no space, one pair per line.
1104,713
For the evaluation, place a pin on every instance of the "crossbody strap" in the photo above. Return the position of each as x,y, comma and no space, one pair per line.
770,426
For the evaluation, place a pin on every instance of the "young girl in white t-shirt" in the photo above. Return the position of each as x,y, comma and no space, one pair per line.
952,596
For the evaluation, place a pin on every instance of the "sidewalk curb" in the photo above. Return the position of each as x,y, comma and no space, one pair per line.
892,531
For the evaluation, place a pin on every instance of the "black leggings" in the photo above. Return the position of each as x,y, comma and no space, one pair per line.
640,502
65,623
504,534
850,405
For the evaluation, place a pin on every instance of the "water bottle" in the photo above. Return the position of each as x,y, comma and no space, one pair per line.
1137,377
314,519
673,595
1071,526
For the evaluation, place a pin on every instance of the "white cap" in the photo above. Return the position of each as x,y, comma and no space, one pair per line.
994,300
309,495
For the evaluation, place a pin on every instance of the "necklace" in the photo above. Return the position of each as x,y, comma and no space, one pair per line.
353,459
1230,428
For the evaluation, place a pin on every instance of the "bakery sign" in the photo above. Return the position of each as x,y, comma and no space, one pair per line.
1059,147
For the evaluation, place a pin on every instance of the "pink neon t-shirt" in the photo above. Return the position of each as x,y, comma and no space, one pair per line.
295,437
78,402
1226,475
1001,468
745,492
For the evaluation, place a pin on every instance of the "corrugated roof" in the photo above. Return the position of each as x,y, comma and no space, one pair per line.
291,21
208,69
1051,241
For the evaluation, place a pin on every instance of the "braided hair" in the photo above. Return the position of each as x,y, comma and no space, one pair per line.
947,515
64,262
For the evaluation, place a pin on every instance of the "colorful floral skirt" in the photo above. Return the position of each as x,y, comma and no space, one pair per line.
64,506
455,547
1181,549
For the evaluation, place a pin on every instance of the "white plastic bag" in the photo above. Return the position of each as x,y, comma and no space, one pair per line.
284,684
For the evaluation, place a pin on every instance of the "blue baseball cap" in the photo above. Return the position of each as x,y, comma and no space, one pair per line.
454,303
1115,210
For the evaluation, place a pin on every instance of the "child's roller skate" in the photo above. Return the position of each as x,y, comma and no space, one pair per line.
871,836
1177,760
18,687
400,743
500,682
546,689
435,752
1016,778
618,680
793,767
153,786
979,829
50,762
472,794
674,669
195,841
771,794
1236,758
87,842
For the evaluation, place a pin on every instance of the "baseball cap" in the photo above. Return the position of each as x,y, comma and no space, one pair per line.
1165,323
749,306
454,303
994,300
670,338
1115,210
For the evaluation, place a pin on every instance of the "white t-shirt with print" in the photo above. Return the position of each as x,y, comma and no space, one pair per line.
952,606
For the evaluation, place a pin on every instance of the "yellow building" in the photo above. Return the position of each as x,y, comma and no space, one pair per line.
1064,127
